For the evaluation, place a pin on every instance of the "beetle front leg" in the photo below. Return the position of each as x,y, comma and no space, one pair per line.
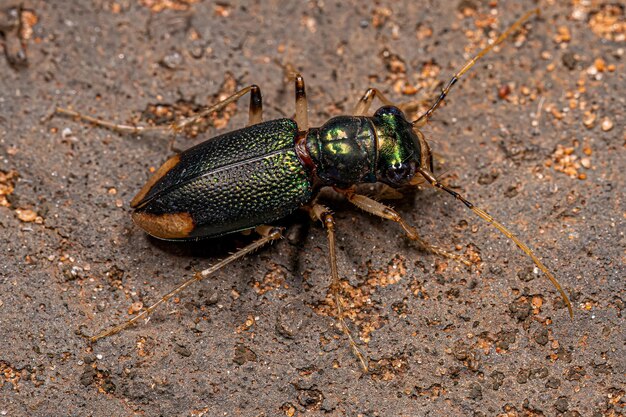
255,115
363,106
321,213
268,234
379,209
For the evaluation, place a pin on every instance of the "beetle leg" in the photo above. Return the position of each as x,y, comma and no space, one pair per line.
255,111
381,210
321,213
255,115
363,106
302,107
268,234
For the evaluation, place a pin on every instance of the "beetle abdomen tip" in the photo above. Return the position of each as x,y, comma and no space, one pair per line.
165,226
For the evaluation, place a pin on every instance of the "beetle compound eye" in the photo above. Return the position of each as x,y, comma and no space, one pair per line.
399,174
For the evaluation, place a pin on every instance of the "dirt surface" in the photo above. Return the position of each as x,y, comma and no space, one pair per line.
534,134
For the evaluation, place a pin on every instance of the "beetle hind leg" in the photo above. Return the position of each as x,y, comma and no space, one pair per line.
255,115
268,234
321,213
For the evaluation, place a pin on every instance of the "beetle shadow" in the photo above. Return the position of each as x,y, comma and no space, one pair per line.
209,248
296,228
200,254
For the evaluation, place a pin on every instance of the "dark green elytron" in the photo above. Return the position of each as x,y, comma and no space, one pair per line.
229,183
261,173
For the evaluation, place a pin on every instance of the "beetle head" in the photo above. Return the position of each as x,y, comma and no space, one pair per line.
401,148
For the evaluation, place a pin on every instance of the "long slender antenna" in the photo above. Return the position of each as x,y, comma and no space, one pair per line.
506,232
421,121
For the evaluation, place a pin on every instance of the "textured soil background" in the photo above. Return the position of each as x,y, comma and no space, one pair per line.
535,134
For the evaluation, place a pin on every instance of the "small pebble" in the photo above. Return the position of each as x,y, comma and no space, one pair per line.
590,120
585,162
135,307
196,51
607,124
26,215
172,61
599,64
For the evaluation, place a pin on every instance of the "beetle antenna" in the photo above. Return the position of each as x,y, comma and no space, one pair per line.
421,121
506,232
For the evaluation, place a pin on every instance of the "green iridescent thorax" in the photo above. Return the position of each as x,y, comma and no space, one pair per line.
344,151
399,151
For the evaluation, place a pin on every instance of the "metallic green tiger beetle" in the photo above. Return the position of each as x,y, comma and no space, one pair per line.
248,178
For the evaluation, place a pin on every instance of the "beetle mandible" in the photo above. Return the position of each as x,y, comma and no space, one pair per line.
251,177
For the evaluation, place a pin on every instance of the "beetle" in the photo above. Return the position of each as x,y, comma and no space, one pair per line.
257,175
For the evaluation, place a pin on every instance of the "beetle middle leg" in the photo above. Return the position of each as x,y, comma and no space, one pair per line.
268,234
379,209
255,115
321,213
302,106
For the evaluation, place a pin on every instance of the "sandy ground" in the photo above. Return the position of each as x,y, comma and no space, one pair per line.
534,134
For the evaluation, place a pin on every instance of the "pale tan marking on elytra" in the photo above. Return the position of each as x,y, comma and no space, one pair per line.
160,173
165,226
